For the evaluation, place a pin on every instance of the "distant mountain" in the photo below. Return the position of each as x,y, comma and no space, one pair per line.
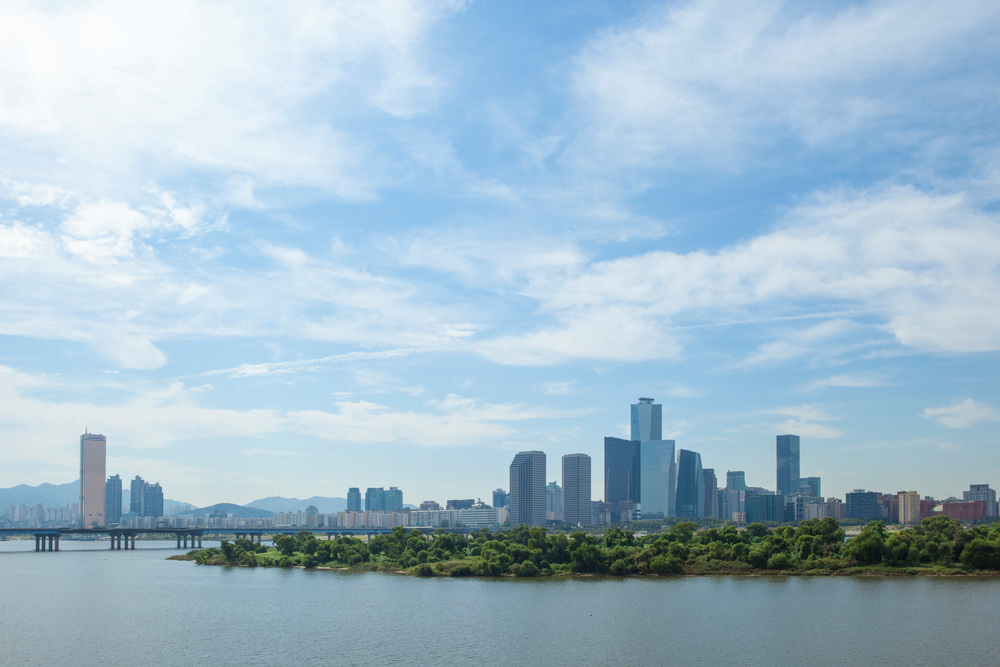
53,495
238,511
60,495
280,504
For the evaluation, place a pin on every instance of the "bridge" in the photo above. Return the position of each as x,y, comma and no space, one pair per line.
47,539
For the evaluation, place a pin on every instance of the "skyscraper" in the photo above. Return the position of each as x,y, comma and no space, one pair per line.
690,486
553,502
152,501
647,420
113,500
658,478
137,496
576,488
527,489
93,473
502,499
788,464
622,474
711,489
354,499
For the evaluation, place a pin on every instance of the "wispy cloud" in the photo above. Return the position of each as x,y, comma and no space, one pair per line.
966,414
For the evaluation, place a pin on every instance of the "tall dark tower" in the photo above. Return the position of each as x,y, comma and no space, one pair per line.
622,473
788,464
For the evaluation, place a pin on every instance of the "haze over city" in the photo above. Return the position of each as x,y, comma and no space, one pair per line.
305,248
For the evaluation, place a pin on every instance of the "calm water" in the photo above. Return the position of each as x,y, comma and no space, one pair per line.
90,606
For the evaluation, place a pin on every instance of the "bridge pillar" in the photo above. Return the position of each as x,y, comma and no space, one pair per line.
57,543
38,542
133,543
199,541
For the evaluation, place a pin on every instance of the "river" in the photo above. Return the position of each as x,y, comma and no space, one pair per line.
87,605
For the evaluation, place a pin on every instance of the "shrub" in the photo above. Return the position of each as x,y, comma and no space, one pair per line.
778,561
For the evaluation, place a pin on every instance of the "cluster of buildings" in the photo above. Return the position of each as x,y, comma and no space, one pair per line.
101,498
647,477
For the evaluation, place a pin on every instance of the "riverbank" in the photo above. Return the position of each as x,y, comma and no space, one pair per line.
937,547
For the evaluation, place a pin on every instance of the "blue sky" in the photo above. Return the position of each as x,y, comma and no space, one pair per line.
284,249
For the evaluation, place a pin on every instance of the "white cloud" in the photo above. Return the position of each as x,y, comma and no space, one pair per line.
711,81
805,421
922,267
845,380
966,414
262,92
558,388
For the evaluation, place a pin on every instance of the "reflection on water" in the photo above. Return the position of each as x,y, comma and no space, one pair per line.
95,606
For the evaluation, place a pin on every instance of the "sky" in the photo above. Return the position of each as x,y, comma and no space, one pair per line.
290,248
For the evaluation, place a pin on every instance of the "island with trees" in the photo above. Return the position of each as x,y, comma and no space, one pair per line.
936,546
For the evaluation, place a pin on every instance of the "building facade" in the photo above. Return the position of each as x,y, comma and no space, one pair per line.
553,502
711,484
113,500
93,478
354,499
576,489
527,489
909,507
622,474
862,505
690,486
658,478
501,498
383,500
984,493
787,464
647,420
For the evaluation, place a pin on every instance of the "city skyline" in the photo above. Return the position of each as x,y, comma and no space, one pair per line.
288,253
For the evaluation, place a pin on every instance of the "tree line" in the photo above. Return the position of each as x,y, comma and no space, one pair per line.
818,546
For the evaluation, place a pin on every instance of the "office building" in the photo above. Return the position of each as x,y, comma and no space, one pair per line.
984,493
382,500
690,486
765,509
152,502
93,478
788,464
909,507
862,505
501,498
711,493
145,499
354,499
647,420
113,500
658,478
553,502
622,474
810,486
527,489
576,489
459,504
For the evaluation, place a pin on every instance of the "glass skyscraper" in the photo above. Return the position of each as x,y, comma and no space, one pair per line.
576,489
113,500
647,420
527,489
354,499
622,474
788,464
690,486
658,478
